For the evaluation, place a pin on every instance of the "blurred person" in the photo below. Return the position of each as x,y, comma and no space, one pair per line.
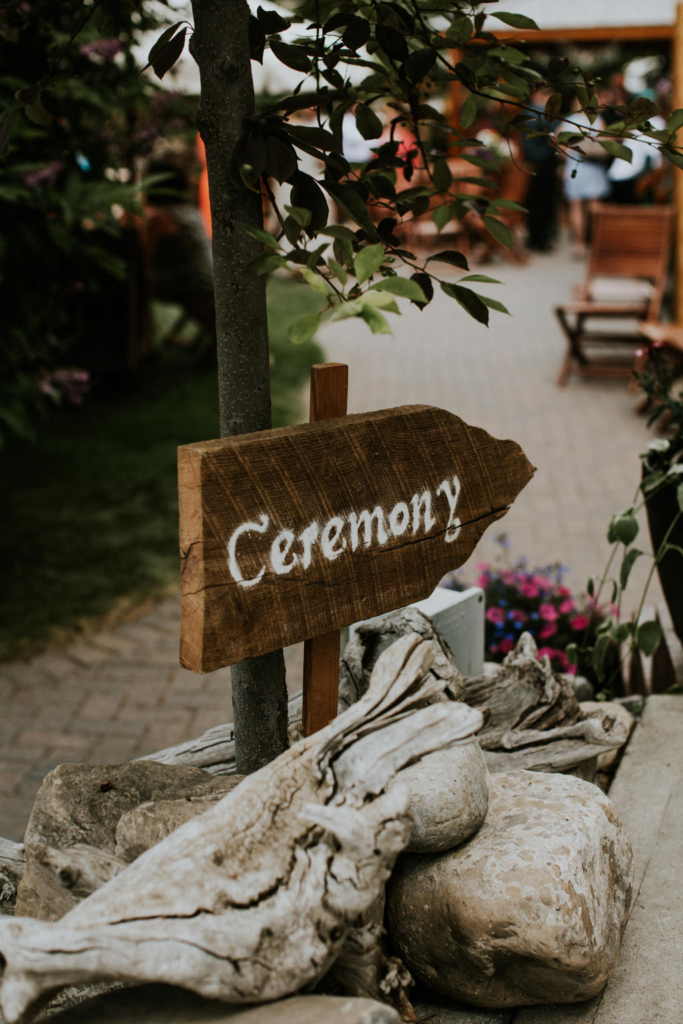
178,248
540,155
584,177
625,177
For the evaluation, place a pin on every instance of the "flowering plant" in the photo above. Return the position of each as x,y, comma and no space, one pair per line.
536,601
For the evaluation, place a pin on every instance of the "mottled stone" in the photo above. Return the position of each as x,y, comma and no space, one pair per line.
449,797
530,910
608,709
84,804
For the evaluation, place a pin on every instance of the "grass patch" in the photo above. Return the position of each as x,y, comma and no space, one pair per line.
89,513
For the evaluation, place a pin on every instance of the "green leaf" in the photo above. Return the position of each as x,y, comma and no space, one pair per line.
469,301
627,564
483,278
266,262
169,53
453,257
461,30
262,236
616,149
369,125
308,195
675,120
303,328
623,528
572,653
293,56
337,269
468,112
500,231
441,175
509,204
420,63
515,20
441,216
301,215
402,286
648,636
673,156
339,231
494,304
315,281
352,204
602,645
368,261
320,138
375,320
164,38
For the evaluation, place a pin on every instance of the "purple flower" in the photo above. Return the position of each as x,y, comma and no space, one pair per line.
106,49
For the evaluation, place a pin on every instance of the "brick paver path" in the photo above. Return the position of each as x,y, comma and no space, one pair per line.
121,694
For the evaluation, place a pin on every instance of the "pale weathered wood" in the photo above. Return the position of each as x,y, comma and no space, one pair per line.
329,397
254,899
12,868
324,476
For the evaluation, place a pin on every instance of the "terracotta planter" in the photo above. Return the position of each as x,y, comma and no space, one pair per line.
661,511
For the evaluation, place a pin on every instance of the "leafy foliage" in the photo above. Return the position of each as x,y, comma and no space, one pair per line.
76,116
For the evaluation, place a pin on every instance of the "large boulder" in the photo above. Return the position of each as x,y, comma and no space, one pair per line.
531,909
88,804
449,797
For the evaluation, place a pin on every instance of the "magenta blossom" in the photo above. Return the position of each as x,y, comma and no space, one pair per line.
550,629
106,49
529,590
567,606
506,645
495,615
579,622
517,615
482,566
548,612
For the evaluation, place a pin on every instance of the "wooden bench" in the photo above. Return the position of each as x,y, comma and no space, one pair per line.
626,276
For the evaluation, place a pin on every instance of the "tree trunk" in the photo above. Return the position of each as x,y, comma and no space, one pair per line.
220,46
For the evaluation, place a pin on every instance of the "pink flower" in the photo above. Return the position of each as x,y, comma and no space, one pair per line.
508,578
517,615
494,648
541,582
564,591
550,629
481,581
495,615
506,645
579,622
482,566
550,651
548,612
528,590
567,606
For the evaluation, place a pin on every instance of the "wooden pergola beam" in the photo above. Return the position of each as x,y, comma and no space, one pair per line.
594,34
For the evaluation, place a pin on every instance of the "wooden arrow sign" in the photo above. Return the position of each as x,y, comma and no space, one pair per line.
286,534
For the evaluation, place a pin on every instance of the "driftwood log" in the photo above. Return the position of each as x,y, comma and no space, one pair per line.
12,867
255,898
534,720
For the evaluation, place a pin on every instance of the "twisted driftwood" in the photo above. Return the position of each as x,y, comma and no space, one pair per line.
214,750
12,867
534,719
255,898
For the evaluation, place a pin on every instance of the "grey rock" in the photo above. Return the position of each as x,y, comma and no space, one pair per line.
583,688
530,910
84,804
449,797
604,709
162,1004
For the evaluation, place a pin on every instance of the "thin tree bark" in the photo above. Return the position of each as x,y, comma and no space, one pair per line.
220,45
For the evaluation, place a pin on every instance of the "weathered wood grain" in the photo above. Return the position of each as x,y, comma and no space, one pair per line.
329,397
402,467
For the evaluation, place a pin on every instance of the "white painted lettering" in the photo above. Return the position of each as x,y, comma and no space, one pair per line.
422,506
233,565
331,535
280,548
365,519
399,519
453,527
308,539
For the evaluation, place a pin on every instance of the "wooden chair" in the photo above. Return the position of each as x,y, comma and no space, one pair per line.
626,277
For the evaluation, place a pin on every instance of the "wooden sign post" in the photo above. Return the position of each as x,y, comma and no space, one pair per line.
329,397
291,533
